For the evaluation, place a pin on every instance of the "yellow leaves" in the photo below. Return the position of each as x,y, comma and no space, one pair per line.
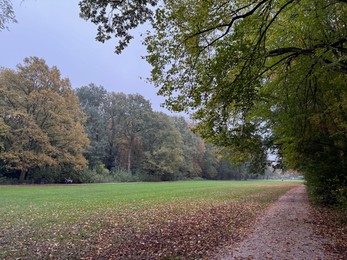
4,128
43,118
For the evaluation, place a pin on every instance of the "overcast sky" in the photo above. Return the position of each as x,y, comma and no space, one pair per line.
52,30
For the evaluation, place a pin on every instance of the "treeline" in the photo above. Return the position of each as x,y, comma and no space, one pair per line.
49,132
126,135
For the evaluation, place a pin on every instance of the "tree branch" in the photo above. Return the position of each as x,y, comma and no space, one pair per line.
341,66
281,51
228,25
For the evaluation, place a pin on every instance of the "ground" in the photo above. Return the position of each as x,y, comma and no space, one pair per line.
178,220
285,231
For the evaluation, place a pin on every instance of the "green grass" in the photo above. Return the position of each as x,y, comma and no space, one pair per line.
42,220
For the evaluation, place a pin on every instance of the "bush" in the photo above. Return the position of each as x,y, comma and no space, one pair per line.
124,176
327,186
341,196
7,181
147,177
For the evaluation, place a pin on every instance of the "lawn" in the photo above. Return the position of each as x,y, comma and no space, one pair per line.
130,220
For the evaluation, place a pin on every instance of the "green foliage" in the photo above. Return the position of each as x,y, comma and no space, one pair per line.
128,136
43,133
257,76
92,100
229,171
193,148
124,176
163,155
127,121
117,17
271,74
210,162
7,181
92,176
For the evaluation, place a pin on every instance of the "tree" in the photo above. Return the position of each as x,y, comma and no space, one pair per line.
127,117
258,75
40,118
210,162
193,148
92,100
6,14
162,148
127,135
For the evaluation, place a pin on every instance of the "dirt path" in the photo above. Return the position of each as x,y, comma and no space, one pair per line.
283,232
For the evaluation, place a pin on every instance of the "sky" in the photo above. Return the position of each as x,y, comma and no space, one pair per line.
53,30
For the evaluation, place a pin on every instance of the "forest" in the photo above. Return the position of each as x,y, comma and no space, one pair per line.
50,132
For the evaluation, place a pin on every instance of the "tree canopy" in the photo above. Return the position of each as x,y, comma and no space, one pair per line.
256,75
127,135
49,132
40,119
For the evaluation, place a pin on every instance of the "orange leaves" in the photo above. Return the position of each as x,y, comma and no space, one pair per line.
192,235
332,224
42,118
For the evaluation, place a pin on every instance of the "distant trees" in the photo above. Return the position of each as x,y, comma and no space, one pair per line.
163,155
116,124
193,148
127,135
40,119
92,101
48,130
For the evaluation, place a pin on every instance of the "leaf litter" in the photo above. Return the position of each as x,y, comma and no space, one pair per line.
186,229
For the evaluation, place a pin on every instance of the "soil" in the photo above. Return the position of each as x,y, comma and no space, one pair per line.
285,231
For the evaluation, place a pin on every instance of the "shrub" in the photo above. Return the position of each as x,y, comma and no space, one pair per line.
7,181
124,176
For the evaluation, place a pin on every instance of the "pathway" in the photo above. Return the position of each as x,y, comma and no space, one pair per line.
283,232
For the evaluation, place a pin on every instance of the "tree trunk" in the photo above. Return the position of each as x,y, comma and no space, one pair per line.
22,176
129,152
129,158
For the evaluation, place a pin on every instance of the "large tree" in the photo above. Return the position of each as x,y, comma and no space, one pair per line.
40,119
162,148
256,75
127,118
93,101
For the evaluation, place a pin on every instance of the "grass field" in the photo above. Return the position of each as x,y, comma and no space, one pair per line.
132,220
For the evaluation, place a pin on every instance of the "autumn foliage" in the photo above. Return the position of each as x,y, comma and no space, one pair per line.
40,119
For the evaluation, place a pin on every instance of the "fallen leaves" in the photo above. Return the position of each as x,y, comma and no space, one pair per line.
183,228
188,236
331,223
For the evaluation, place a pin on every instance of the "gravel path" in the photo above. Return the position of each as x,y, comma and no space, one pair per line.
283,232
